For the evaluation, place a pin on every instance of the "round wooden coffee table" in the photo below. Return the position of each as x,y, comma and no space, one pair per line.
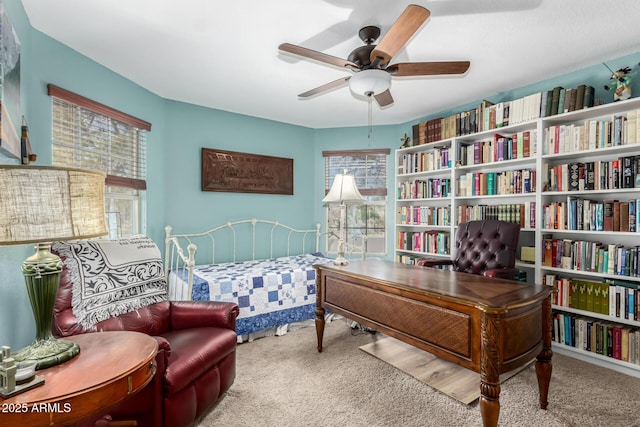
111,366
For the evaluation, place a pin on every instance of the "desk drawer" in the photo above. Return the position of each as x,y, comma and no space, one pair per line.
447,329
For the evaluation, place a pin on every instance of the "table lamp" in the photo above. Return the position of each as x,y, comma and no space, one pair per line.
343,191
40,204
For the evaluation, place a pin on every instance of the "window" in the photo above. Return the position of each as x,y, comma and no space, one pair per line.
368,220
89,135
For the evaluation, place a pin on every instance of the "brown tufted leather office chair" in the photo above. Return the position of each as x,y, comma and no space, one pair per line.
483,247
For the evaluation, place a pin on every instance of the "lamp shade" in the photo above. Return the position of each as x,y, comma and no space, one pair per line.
43,204
370,82
344,190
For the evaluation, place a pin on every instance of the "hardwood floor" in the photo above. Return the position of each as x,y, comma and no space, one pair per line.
449,378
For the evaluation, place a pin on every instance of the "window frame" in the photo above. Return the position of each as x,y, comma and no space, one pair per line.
138,183
369,193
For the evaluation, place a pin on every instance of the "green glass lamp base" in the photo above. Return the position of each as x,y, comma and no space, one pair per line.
42,277
49,352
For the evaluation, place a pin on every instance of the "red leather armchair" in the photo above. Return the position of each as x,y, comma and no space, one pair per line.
483,247
196,362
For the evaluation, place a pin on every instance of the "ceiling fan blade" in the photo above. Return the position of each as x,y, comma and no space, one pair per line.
326,87
314,54
384,98
400,32
428,68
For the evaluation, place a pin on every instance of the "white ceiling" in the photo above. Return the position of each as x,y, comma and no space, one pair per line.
224,54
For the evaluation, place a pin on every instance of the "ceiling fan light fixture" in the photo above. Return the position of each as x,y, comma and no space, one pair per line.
369,82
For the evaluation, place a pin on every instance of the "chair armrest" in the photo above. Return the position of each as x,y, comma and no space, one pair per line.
195,314
502,273
434,262
163,347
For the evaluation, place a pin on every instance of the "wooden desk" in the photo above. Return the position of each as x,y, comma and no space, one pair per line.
110,367
490,326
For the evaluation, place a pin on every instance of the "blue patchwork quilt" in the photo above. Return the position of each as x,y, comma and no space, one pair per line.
269,292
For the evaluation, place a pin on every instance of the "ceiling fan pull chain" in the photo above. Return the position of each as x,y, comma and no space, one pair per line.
370,118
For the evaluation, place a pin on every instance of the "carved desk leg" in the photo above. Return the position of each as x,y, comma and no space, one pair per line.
489,371
543,360
319,312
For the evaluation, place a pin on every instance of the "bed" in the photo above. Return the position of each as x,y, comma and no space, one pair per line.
264,266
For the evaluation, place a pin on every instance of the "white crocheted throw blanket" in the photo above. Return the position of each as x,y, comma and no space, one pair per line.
112,277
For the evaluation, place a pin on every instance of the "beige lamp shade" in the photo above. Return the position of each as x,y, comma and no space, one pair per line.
344,190
44,204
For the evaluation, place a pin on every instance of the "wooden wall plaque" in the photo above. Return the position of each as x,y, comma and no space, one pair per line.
229,171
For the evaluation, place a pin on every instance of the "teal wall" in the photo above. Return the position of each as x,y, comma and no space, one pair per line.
179,131
192,128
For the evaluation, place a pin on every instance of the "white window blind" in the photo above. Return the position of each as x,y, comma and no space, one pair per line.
86,139
369,168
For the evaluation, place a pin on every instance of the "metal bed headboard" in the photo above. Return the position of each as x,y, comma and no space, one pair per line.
180,249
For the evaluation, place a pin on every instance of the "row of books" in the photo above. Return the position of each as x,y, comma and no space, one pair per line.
517,146
623,172
590,215
424,215
563,100
591,256
462,123
424,188
434,242
592,134
487,115
520,213
519,181
611,297
600,337
436,159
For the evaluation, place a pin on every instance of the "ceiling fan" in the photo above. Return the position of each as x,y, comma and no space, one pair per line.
371,63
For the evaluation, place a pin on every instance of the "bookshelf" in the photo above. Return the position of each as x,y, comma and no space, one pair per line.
477,175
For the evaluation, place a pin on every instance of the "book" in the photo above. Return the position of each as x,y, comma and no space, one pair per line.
548,107
628,171
547,255
607,221
624,216
604,294
589,97
617,342
579,104
574,175
589,287
631,135
624,344
589,182
561,101
555,99
570,100
599,217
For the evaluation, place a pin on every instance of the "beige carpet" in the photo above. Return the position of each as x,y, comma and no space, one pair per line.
446,377
284,381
